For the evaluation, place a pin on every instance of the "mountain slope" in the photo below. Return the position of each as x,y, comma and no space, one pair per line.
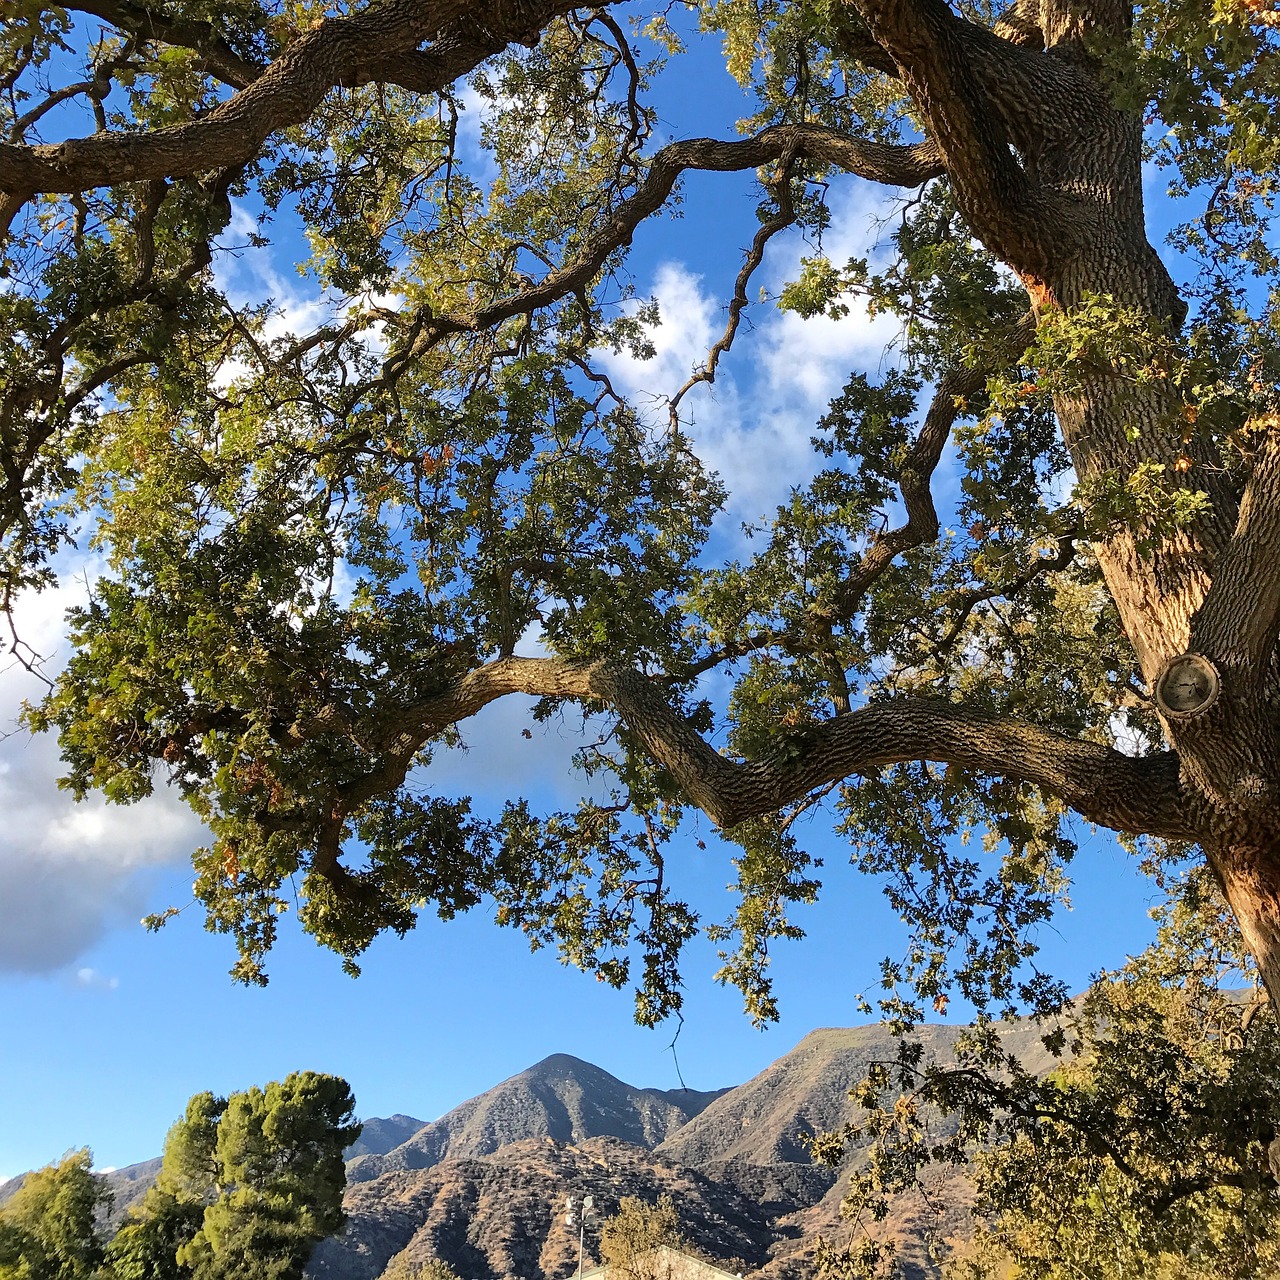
561,1097
764,1121
483,1187
738,1168
381,1134
503,1214
752,1140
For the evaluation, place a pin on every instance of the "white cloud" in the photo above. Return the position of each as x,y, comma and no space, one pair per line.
472,108
72,872
299,306
808,361
681,339
754,424
68,871
755,452
96,981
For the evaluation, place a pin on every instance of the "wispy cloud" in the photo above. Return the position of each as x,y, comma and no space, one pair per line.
96,981
753,426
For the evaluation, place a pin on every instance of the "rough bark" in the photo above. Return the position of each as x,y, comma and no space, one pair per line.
1118,791
1250,879
1210,588
370,45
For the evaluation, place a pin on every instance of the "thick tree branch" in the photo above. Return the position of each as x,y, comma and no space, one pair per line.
1039,100
420,71
150,22
1020,24
340,51
940,57
1115,790
1239,623
1231,752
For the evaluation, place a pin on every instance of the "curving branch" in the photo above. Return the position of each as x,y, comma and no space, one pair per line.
420,71
907,165
1139,795
781,220
914,481
1105,786
150,22
347,52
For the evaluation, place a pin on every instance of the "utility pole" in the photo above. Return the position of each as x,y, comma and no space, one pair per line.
572,1218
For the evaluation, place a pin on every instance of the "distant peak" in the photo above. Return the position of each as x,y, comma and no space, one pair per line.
565,1064
561,1060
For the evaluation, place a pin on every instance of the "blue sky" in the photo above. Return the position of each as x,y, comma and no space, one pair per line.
107,1030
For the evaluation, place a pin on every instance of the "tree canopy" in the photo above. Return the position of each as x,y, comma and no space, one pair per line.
49,1229
249,1185
326,546
265,1167
630,1238
1143,1152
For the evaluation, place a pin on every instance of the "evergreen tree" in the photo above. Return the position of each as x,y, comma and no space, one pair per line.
279,1179
146,1245
189,1171
249,1185
49,1229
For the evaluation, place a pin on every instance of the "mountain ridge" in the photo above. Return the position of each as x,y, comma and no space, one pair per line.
483,1186
561,1097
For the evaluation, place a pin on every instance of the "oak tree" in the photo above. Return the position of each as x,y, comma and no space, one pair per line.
1142,1152
633,1240
329,545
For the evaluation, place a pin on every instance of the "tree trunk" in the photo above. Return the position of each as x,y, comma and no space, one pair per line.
1112,425
1228,757
1250,878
